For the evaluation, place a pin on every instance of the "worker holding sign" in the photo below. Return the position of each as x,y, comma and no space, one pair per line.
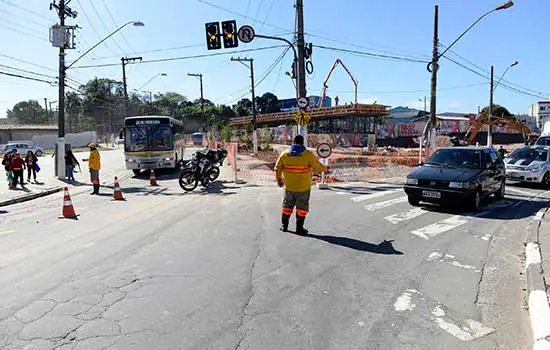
293,171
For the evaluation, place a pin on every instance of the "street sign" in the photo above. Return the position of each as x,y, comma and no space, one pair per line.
302,118
246,34
324,150
302,102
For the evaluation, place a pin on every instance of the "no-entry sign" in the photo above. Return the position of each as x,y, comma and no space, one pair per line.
324,150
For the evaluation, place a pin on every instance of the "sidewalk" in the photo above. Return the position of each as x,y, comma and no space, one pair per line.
112,164
537,265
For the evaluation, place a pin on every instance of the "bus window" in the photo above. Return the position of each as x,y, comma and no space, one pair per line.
160,138
136,139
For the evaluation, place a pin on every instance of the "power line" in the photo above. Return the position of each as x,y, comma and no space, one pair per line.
27,71
156,50
27,62
458,87
93,27
28,78
24,33
186,57
11,14
32,30
372,54
104,25
116,25
27,10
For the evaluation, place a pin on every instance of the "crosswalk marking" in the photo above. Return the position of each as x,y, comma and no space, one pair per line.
2,233
439,227
380,205
407,215
365,197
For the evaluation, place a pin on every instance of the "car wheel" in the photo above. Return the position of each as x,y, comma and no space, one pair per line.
546,180
501,191
415,202
38,153
475,201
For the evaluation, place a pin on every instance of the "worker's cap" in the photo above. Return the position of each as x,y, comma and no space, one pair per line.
92,145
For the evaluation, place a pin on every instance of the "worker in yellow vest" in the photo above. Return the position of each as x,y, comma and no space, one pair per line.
293,170
94,164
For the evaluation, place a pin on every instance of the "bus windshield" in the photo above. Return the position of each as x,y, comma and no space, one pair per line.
149,138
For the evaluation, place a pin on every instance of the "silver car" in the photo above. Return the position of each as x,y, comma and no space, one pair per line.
23,147
529,164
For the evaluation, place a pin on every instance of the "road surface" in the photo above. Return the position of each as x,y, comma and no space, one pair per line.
210,270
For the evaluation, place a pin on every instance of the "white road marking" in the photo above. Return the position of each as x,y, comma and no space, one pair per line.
532,254
380,205
450,259
539,313
407,215
435,256
404,301
365,197
439,227
2,233
468,332
515,190
539,216
486,237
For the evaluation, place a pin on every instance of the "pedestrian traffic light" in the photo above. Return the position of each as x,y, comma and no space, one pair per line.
229,31
213,40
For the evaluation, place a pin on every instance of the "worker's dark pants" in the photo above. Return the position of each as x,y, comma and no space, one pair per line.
17,176
300,200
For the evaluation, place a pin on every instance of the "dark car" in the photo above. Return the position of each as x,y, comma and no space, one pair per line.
462,175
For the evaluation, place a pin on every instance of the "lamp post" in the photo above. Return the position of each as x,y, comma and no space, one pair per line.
60,151
150,80
433,66
492,89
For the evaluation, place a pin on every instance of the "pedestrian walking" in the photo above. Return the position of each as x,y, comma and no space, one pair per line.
293,170
70,163
32,165
18,167
94,164
6,162
502,152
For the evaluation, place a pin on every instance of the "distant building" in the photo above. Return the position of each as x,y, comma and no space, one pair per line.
289,104
539,109
3,121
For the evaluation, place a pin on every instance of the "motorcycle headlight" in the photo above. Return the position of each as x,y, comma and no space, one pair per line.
410,181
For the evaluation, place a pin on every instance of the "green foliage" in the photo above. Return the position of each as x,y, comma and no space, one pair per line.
28,112
226,131
498,111
265,139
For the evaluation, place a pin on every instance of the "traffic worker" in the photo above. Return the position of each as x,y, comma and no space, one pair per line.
94,164
294,171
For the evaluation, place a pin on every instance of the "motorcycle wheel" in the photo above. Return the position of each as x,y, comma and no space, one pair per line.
187,181
213,174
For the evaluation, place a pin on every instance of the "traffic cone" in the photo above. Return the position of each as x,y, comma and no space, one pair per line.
153,178
68,209
118,193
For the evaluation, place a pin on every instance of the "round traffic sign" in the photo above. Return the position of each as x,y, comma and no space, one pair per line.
246,34
324,150
302,102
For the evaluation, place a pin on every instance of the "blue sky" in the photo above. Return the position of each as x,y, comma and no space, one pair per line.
175,28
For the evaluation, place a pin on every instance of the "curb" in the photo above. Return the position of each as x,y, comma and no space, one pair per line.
31,196
539,309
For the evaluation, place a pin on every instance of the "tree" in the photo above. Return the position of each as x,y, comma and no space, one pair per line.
498,111
73,108
268,103
243,107
28,112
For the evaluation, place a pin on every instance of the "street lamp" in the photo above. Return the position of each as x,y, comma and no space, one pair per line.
153,78
491,94
434,65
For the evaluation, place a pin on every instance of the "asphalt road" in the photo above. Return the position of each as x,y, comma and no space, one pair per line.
210,270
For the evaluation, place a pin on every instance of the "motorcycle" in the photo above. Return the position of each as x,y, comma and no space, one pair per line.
203,168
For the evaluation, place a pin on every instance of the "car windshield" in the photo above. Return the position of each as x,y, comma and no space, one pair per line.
532,154
456,158
148,138
543,141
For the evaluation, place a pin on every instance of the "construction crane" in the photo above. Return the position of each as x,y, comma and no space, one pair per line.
325,86
509,123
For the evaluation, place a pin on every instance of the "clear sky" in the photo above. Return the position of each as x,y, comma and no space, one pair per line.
403,28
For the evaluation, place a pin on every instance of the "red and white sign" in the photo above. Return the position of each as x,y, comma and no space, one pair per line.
324,150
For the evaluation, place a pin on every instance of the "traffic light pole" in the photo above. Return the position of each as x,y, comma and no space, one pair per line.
254,126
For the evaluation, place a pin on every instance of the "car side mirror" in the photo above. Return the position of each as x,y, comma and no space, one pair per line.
420,163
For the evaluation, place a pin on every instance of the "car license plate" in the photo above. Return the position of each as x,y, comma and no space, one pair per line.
511,174
431,194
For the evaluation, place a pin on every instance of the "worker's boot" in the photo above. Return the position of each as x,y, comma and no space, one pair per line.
300,230
96,189
285,219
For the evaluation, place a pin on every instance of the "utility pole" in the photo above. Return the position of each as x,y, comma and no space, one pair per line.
301,63
435,66
254,126
46,107
490,112
199,75
124,61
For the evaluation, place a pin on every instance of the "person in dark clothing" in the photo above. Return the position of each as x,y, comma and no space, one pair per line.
6,162
31,161
18,166
70,163
502,152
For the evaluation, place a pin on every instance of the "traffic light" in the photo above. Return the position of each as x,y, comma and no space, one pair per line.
213,40
229,32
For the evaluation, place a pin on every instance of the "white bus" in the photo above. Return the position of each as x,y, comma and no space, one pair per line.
152,142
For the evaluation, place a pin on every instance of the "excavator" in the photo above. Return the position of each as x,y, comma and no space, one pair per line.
481,121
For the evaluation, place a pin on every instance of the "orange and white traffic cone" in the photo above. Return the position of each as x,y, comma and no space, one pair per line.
153,178
68,209
118,193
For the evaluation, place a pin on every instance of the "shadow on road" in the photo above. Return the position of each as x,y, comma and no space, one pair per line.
3,211
384,247
364,190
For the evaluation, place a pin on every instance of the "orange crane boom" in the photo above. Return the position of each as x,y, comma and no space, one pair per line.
325,86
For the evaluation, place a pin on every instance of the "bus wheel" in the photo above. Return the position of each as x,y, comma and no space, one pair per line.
136,172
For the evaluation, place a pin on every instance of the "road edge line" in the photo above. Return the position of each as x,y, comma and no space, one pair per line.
23,199
539,308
